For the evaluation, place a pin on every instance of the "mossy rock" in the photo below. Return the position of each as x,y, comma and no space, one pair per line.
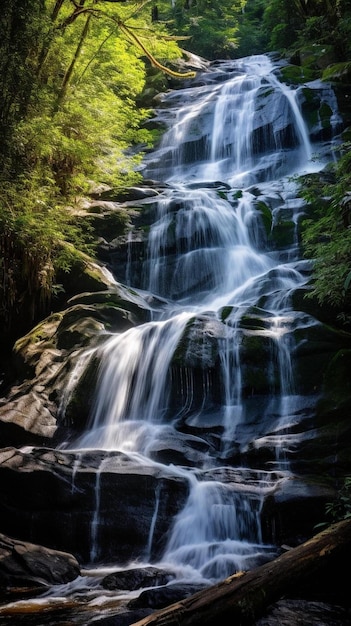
317,57
198,347
302,300
255,349
260,373
256,381
156,82
253,319
283,234
338,71
84,322
317,113
84,275
298,74
346,134
266,215
120,298
109,224
26,352
226,312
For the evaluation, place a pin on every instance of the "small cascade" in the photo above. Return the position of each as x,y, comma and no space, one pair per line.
128,279
75,468
249,129
232,382
94,532
152,526
133,384
215,533
223,254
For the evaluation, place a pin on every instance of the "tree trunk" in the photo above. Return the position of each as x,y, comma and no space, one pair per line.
241,599
68,75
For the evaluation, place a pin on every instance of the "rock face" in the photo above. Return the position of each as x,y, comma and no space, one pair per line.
51,353
137,578
94,505
24,564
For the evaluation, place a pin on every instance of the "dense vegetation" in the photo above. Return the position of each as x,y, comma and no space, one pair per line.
75,76
71,74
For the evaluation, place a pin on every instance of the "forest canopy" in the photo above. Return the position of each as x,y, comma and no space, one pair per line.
77,79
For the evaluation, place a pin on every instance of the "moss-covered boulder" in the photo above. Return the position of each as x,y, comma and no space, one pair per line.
50,364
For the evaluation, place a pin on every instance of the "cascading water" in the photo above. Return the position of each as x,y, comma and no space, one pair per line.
210,258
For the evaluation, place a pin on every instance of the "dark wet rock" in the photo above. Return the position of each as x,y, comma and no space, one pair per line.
164,596
292,511
290,612
179,449
106,218
64,492
137,578
24,564
84,275
199,345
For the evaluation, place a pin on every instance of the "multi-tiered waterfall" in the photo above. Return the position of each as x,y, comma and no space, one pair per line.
212,375
197,453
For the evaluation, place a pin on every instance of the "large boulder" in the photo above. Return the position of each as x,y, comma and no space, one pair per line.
51,355
97,505
24,564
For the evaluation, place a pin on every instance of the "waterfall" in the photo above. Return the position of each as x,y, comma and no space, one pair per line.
234,141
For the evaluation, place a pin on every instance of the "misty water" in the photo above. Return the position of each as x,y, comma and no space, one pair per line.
236,139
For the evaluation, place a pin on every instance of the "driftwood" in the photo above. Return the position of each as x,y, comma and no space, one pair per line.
242,599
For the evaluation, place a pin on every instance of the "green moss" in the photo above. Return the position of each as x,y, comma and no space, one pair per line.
297,75
42,332
255,349
325,114
266,215
252,321
255,381
315,58
225,312
256,359
283,234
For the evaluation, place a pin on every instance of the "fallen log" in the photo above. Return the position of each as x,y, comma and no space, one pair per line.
241,600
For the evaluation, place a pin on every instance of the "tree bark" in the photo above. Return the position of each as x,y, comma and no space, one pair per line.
68,75
241,599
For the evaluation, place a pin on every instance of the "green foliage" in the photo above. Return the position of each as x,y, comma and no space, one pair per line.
264,26
337,71
210,26
326,236
21,26
72,76
253,38
70,79
87,72
33,230
281,22
290,26
340,508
